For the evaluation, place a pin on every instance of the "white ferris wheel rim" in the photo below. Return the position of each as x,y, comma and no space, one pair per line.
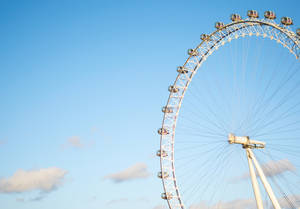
265,28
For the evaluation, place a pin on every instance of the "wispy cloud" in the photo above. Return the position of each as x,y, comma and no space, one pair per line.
161,207
2,142
77,142
271,168
143,199
235,204
20,200
94,129
38,198
128,201
43,180
74,141
116,201
137,171
289,202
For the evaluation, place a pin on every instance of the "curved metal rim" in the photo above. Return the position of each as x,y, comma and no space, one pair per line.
247,23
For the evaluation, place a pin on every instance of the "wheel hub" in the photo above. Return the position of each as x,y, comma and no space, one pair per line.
245,141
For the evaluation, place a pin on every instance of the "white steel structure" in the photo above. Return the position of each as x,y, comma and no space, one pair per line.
224,33
249,144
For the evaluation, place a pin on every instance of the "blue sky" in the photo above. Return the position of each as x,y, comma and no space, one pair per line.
95,72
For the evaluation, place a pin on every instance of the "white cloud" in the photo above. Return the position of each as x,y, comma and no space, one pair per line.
161,207
38,198
271,168
138,170
74,141
248,204
143,199
286,202
126,200
112,202
20,200
94,129
235,204
44,180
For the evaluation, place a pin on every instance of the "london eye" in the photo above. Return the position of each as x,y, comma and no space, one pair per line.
231,125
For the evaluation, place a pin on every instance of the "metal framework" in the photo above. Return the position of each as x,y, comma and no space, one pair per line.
266,28
248,145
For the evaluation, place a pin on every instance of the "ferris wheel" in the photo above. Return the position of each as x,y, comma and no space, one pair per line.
238,123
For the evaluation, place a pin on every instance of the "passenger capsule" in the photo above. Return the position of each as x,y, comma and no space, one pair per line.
161,153
270,15
173,89
252,14
193,52
219,25
162,175
286,21
166,196
204,37
235,17
298,31
166,109
163,131
182,70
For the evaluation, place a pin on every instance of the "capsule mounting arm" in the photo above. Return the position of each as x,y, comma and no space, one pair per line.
245,141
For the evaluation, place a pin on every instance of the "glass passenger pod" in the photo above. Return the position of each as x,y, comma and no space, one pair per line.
173,89
193,52
270,15
252,14
162,175
166,109
205,37
219,25
298,32
161,153
286,21
182,70
236,17
166,196
163,131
